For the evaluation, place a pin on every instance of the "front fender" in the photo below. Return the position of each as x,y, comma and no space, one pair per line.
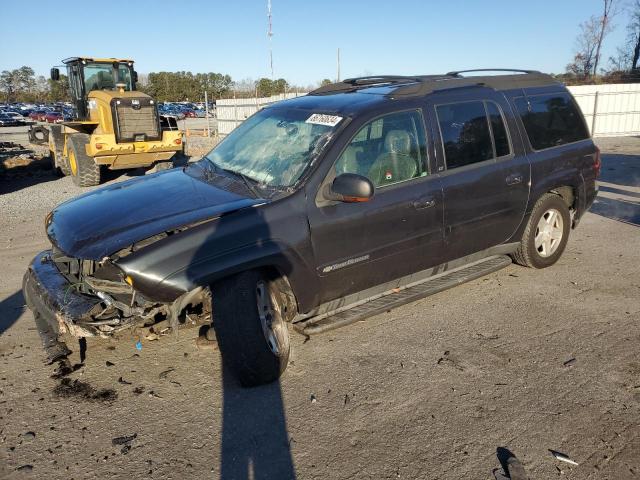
243,240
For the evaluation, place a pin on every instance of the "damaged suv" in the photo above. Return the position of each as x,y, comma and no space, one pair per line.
320,211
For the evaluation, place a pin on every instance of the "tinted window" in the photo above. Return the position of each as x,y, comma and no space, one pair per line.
465,133
551,120
390,149
499,131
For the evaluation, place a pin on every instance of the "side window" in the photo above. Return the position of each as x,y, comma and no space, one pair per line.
551,120
465,133
387,150
500,138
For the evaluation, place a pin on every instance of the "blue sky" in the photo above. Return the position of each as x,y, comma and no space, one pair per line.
375,37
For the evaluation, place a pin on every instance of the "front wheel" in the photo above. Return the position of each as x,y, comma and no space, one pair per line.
546,234
84,170
248,318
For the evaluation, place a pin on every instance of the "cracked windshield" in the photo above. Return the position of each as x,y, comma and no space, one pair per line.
275,146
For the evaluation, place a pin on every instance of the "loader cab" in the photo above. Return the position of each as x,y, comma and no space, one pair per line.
88,74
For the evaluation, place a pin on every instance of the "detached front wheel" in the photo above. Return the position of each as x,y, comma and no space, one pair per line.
249,322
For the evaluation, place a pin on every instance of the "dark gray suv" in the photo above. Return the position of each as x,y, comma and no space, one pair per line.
320,211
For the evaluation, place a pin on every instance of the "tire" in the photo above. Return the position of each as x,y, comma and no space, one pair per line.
83,168
38,135
52,160
242,336
539,248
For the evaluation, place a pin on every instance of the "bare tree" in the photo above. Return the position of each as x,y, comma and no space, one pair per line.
604,28
586,46
633,35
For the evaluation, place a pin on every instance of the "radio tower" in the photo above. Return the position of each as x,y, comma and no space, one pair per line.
270,34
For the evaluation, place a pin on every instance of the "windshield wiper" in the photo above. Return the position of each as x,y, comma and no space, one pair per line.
248,181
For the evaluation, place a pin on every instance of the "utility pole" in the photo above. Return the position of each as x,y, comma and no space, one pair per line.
270,34
338,61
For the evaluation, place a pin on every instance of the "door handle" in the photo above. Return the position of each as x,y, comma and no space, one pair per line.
514,179
425,203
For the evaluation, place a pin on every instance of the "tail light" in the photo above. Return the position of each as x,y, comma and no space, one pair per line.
597,164
177,141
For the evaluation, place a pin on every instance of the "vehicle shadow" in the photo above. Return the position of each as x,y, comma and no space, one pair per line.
255,443
11,308
619,172
254,440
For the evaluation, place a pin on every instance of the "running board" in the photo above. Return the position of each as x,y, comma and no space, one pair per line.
401,296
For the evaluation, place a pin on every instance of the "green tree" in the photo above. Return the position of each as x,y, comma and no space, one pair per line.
267,87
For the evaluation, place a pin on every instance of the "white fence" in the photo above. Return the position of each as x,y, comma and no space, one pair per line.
233,111
611,110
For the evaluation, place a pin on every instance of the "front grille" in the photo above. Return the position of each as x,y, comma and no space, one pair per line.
136,120
73,269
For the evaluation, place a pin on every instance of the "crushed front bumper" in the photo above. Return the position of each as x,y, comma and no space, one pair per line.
57,307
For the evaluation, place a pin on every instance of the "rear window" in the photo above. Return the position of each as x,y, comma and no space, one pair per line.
551,120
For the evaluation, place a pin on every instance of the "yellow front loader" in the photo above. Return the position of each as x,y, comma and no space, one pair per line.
116,127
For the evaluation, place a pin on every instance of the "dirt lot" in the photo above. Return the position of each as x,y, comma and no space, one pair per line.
523,359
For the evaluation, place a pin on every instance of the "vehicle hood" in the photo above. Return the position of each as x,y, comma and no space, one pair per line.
110,218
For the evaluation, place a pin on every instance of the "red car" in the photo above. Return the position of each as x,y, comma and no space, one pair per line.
189,113
53,117
38,115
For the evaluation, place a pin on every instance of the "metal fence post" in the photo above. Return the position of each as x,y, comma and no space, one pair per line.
595,115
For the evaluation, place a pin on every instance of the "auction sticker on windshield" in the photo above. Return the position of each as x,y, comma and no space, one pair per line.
322,119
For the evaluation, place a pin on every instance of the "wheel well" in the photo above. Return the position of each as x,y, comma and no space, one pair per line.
567,194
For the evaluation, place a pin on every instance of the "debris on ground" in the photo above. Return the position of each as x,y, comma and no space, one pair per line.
512,467
313,398
123,381
125,441
68,388
570,362
562,457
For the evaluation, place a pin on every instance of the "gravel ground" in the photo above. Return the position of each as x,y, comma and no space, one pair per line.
523,359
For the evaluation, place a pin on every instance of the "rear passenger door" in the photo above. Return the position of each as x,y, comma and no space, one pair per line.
485,173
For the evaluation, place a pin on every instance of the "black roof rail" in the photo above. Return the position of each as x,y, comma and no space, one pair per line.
352,84
515,70
381,79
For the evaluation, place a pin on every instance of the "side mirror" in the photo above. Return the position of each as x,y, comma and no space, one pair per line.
55,74
135,76
350,187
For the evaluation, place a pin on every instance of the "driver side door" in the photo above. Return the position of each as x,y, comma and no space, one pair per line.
399,230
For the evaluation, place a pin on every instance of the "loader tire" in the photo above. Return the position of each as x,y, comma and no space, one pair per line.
84,170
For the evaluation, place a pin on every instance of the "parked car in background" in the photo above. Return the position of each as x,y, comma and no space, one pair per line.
8,121
17,116
53,117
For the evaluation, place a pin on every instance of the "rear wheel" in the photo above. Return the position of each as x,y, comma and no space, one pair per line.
249,323
83,169
546,234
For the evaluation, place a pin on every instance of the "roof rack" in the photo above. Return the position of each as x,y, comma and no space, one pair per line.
424,84
372,80
515,70
352,84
